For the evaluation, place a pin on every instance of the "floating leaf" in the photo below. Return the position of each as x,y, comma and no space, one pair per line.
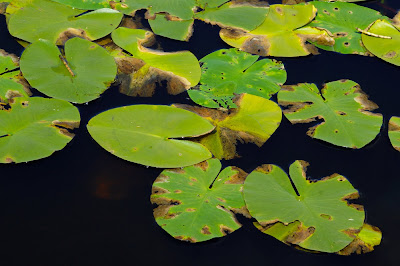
151,135
342,105
81,76
239,16
175,29
324,221
228,72
384,41
280,34
33,128
194,204
57,22
342,20
368,237
11,82
254,121
180,69
394,132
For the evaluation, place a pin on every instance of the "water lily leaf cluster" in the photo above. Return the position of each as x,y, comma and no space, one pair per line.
394,132
343,107
198,202
228,72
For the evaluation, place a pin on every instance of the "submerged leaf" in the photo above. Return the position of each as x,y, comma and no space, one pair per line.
394,132
280,34
342,21
56,22
34,128
255,120
228,72
180,69
81,76
322,218
197,203
151,135
342,105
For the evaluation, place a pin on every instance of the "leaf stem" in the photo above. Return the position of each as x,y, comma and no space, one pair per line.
373,34
66,65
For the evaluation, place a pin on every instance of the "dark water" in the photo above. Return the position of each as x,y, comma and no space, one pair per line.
83,206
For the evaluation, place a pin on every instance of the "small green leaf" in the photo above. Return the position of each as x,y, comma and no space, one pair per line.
323,219
394,132
80,76
197,203
33,128
255,120
175,29
56,22
151,135
342,105
228,72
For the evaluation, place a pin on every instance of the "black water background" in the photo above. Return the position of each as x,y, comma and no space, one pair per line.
83,206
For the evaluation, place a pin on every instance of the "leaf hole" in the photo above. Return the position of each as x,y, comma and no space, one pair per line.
336,131
336,8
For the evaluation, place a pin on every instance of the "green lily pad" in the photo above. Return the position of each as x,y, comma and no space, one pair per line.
255,120
280,34
385,43
151,135
163,25
81,76
34,128
342,105
394,132
342,20
11,82
328,221
228,72
239,16
180,69
197,203
57,22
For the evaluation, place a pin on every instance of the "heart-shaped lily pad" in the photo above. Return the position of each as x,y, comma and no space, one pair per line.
57,22
342,105
33,128
327,222
151,135
197,203
394,132
255,120
228,72
80,76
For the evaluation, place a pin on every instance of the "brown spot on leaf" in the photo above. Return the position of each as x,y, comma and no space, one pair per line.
256,45
238,178
356,246
243,211
390,55
158,191
358,207
69,34
265,168
292,2
340,34
190,209
8,160
225,230
193,179
178,191
206,230
326,216
393,126
221,200
300,235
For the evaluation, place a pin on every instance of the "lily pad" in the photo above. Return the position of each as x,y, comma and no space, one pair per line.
151,135
80,76
166,26
394,132
328,222
228,72
368,237
343,20
342,105
280,34
197,203
57,22
180,69
383,40
34,128
255,120
11,82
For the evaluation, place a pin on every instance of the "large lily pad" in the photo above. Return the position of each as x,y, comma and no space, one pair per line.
228,72
57,22
384,41
280,34
196,203
180,69
80,76
151,135
34,128
11,82
342,105
343,20
255,120
328,222
394,132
